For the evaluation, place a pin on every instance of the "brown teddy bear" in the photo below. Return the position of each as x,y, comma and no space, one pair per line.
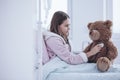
100,33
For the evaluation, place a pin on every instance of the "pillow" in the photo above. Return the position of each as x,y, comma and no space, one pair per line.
45,56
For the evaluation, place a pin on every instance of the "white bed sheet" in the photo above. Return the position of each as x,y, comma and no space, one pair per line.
59,70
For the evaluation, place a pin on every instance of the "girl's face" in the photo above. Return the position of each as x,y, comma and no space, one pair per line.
64,28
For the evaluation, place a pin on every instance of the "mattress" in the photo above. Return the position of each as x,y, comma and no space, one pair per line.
59,70
84,76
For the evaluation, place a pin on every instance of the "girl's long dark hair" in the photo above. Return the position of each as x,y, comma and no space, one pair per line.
58,18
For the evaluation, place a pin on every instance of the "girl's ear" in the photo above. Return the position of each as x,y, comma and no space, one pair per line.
108,24
89,25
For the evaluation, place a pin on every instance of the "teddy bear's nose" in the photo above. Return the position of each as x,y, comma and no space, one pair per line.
90,32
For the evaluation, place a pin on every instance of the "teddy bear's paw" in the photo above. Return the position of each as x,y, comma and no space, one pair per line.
103,64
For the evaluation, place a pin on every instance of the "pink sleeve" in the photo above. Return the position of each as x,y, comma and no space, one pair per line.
58,47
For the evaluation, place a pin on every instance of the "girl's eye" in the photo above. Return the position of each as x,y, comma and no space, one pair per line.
67,25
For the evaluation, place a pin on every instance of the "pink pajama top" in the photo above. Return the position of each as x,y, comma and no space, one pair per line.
55,46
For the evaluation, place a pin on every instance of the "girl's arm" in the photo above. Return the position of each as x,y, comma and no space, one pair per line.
58,47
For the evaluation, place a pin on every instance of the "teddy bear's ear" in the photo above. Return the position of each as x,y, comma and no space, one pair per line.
108,24
89,25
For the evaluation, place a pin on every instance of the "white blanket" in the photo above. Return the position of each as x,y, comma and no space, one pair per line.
52,66
58,66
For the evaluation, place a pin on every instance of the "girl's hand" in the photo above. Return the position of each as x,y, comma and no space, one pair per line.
95,50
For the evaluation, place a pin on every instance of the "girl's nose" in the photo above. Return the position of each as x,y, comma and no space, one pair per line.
68,28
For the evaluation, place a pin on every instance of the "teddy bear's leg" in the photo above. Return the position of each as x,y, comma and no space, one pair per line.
103,64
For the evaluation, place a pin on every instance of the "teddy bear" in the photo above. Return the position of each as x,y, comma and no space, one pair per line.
100,32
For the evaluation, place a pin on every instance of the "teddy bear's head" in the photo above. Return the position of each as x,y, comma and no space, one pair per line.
100,30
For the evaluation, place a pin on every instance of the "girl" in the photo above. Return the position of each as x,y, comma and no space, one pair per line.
57,43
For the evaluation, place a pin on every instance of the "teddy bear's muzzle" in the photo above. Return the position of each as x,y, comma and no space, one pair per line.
94,35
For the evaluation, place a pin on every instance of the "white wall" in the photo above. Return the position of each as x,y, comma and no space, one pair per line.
83,12
116,41
109,9
17,20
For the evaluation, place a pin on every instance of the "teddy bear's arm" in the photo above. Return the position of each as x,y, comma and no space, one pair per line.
112,52
87,49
